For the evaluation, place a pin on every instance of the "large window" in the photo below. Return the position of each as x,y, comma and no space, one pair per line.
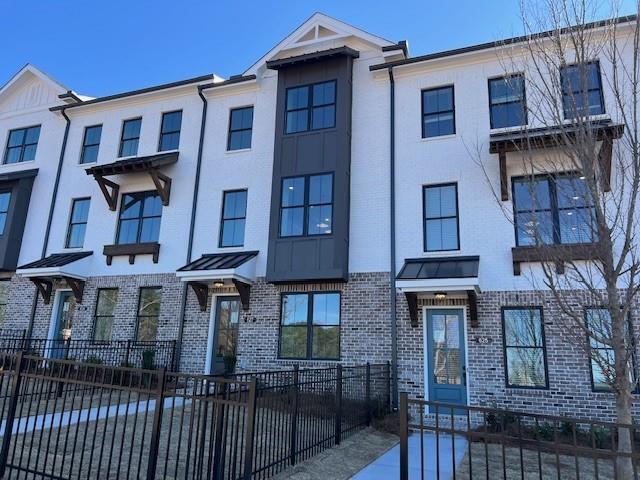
170,131
91,144
240,128
105,311
4,299
582,90
149,313
524,347
310,326
78,222
130,137
438,112
22,144
5,200
306,205
140,215
311,107
553,209
234,212
507,103
440,218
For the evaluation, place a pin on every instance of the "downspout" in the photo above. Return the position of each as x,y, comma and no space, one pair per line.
392,271
194,203
47,232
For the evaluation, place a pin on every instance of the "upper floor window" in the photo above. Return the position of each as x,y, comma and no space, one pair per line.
5,200
91,144
170,131
441,217
22,144
524,347
234,212
149,313
240,128
105,312
438,112
507,103
307,205
140,215
130,137
581,90
553,209
78,222
311,107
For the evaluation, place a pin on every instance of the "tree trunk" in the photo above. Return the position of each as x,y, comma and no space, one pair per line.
624,464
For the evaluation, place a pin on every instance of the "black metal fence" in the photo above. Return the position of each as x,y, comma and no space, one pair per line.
65,419
439,440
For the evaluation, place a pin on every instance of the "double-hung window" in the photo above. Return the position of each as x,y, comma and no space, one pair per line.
130,137
140,215
22,144
553,209
306,205
438,112
149,313
507,105
311,107
440,205
234,212
524,347
91,144
240,128
78,222
581,90
310,326
170,131
5,201
105,311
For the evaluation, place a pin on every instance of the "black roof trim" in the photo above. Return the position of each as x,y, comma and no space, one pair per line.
56,260
10,176
132,93
71,95
134,164
440,267
498,43
232,80
219,261
312,57
401,45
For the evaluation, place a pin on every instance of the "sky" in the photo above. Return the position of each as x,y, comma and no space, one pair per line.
103,47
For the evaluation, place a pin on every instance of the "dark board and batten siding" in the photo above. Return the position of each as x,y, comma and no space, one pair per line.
322,257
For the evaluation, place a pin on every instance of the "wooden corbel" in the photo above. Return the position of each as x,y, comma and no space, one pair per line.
77,287
163,185
504,184
202,294
412,302
110,196
45,287
604,159
243,290
472,298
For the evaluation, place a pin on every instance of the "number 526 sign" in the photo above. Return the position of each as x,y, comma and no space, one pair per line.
483,340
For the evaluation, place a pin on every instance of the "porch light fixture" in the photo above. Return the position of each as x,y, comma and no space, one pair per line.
440,295
218,284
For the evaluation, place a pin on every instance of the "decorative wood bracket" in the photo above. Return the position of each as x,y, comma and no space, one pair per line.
163,185
412,301
604,158
45,287
243,290
110,196
473,308
504,184
77,287
202,294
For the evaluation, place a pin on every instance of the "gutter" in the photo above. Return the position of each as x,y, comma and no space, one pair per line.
392,270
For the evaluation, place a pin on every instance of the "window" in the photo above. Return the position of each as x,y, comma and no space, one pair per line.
149,313
4,299
234,212
310,326
524,347
441,218
170,131
78,222
438,112
105,311
311,107
306,205
140,215
507,104
240,128
22,144
553,209
130,137
581,90
5,200
91,144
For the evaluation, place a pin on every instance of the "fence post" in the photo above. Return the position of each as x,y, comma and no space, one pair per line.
157,425
338,432
126,355
174,359
11,413
367,393
404,437
220,392
249,433
294,416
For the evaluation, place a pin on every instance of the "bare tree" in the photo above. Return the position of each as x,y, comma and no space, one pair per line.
587,244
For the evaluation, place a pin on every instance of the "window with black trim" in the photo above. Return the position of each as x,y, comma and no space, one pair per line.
307,205
310,326
130,137
140,215
553,209
149,313
440,207
170,131
240,128
22,144
507,101
4,299
310,107
78,222
5,201
438,112
524,347
581,90
234,213
91,144
105,312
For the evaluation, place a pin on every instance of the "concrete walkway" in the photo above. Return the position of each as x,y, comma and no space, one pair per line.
388,465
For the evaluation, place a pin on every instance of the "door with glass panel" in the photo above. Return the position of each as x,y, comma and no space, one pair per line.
445,359
225,336
63,324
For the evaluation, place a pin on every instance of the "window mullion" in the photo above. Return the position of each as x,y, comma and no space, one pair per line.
310,326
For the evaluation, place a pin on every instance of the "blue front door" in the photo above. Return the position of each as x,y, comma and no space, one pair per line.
445,360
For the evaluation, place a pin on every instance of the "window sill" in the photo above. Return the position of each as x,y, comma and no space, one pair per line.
131,250
239,150
16,164
515,128
553,253
442,253
440,137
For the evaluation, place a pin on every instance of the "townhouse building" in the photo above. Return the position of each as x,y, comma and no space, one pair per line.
320,207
